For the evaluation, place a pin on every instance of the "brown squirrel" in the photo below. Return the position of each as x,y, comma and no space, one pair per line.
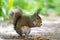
22,24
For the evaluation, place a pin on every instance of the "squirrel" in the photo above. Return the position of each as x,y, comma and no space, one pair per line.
22,24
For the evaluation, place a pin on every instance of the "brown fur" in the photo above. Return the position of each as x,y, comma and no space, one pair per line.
20,21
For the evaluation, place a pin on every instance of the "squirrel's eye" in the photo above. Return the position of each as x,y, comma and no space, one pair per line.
37,18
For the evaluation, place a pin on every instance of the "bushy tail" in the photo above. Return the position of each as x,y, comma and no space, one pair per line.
16,14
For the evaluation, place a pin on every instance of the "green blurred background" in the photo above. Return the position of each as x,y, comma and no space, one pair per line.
48,7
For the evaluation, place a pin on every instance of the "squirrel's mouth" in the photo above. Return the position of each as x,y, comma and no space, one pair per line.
39,24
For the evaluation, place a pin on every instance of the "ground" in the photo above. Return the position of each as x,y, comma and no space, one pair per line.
49,29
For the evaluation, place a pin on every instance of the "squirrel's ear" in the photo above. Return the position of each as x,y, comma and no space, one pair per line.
35,14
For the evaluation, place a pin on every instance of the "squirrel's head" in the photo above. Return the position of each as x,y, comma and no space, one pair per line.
37,21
